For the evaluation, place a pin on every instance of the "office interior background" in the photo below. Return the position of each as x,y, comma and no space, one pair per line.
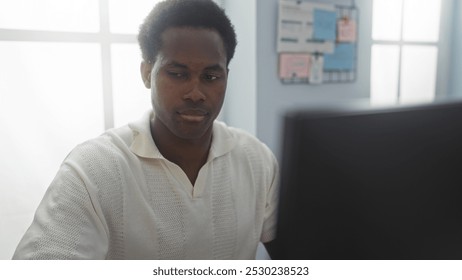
69,70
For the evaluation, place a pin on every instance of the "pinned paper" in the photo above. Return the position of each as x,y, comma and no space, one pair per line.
325,25
296,27
294,65
316,42
346,29
316,71
342,59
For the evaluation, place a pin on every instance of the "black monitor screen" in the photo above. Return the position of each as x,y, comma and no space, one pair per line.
372,183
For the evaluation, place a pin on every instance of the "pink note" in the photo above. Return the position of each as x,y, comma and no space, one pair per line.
294,65
346,30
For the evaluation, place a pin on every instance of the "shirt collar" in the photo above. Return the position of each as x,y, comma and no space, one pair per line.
223,141
143,145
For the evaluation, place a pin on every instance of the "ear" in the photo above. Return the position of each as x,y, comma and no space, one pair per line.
145,69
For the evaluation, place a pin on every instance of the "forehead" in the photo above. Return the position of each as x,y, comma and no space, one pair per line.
193,45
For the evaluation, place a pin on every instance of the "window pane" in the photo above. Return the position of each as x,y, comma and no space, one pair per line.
384,74
131,97
386,20
127,15
421,20
50,100
50,15
418,74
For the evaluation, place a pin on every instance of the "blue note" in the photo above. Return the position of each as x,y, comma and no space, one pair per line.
343,58
325,25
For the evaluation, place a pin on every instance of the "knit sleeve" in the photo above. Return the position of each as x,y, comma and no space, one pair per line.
272,199
66,225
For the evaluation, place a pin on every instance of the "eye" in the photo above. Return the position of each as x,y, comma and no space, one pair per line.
211,77
177,75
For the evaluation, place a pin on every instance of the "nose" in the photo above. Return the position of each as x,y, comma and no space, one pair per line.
195,93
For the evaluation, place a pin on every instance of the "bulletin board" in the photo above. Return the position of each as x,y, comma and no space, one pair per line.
317,42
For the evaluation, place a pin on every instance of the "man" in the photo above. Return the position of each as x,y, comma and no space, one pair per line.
177,184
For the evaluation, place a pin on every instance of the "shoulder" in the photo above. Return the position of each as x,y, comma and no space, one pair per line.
246,145
244,138
103,152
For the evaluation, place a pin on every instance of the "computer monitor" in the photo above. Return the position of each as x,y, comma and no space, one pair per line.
370,183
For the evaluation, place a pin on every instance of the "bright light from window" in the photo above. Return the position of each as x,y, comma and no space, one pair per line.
131,97
403,72
421,20
386,20
51,93
384,74
418,74
50,15
51,100
54,96
127,15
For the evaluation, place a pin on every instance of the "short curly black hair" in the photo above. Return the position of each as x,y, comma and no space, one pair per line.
184,13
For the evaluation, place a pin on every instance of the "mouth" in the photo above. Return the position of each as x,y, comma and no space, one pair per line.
193,115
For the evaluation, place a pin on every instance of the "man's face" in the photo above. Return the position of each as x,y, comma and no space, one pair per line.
188,81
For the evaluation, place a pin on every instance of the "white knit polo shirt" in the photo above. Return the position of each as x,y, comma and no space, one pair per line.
117,197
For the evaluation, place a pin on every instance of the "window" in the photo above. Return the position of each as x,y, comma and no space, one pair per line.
69,69
404,59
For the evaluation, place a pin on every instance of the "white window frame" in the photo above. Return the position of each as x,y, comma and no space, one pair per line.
104,37
443,46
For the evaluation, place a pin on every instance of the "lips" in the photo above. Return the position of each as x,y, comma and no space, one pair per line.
193,115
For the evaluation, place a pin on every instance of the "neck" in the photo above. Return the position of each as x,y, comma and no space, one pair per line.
189,154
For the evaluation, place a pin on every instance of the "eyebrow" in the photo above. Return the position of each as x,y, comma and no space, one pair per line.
215,67
176,64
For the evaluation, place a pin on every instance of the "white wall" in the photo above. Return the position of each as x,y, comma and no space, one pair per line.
275,98
258,105
240,105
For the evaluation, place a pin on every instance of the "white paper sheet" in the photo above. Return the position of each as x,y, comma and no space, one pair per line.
295,27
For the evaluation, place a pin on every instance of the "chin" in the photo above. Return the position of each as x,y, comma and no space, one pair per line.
192,133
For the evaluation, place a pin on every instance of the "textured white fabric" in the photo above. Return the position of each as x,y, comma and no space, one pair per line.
117,197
